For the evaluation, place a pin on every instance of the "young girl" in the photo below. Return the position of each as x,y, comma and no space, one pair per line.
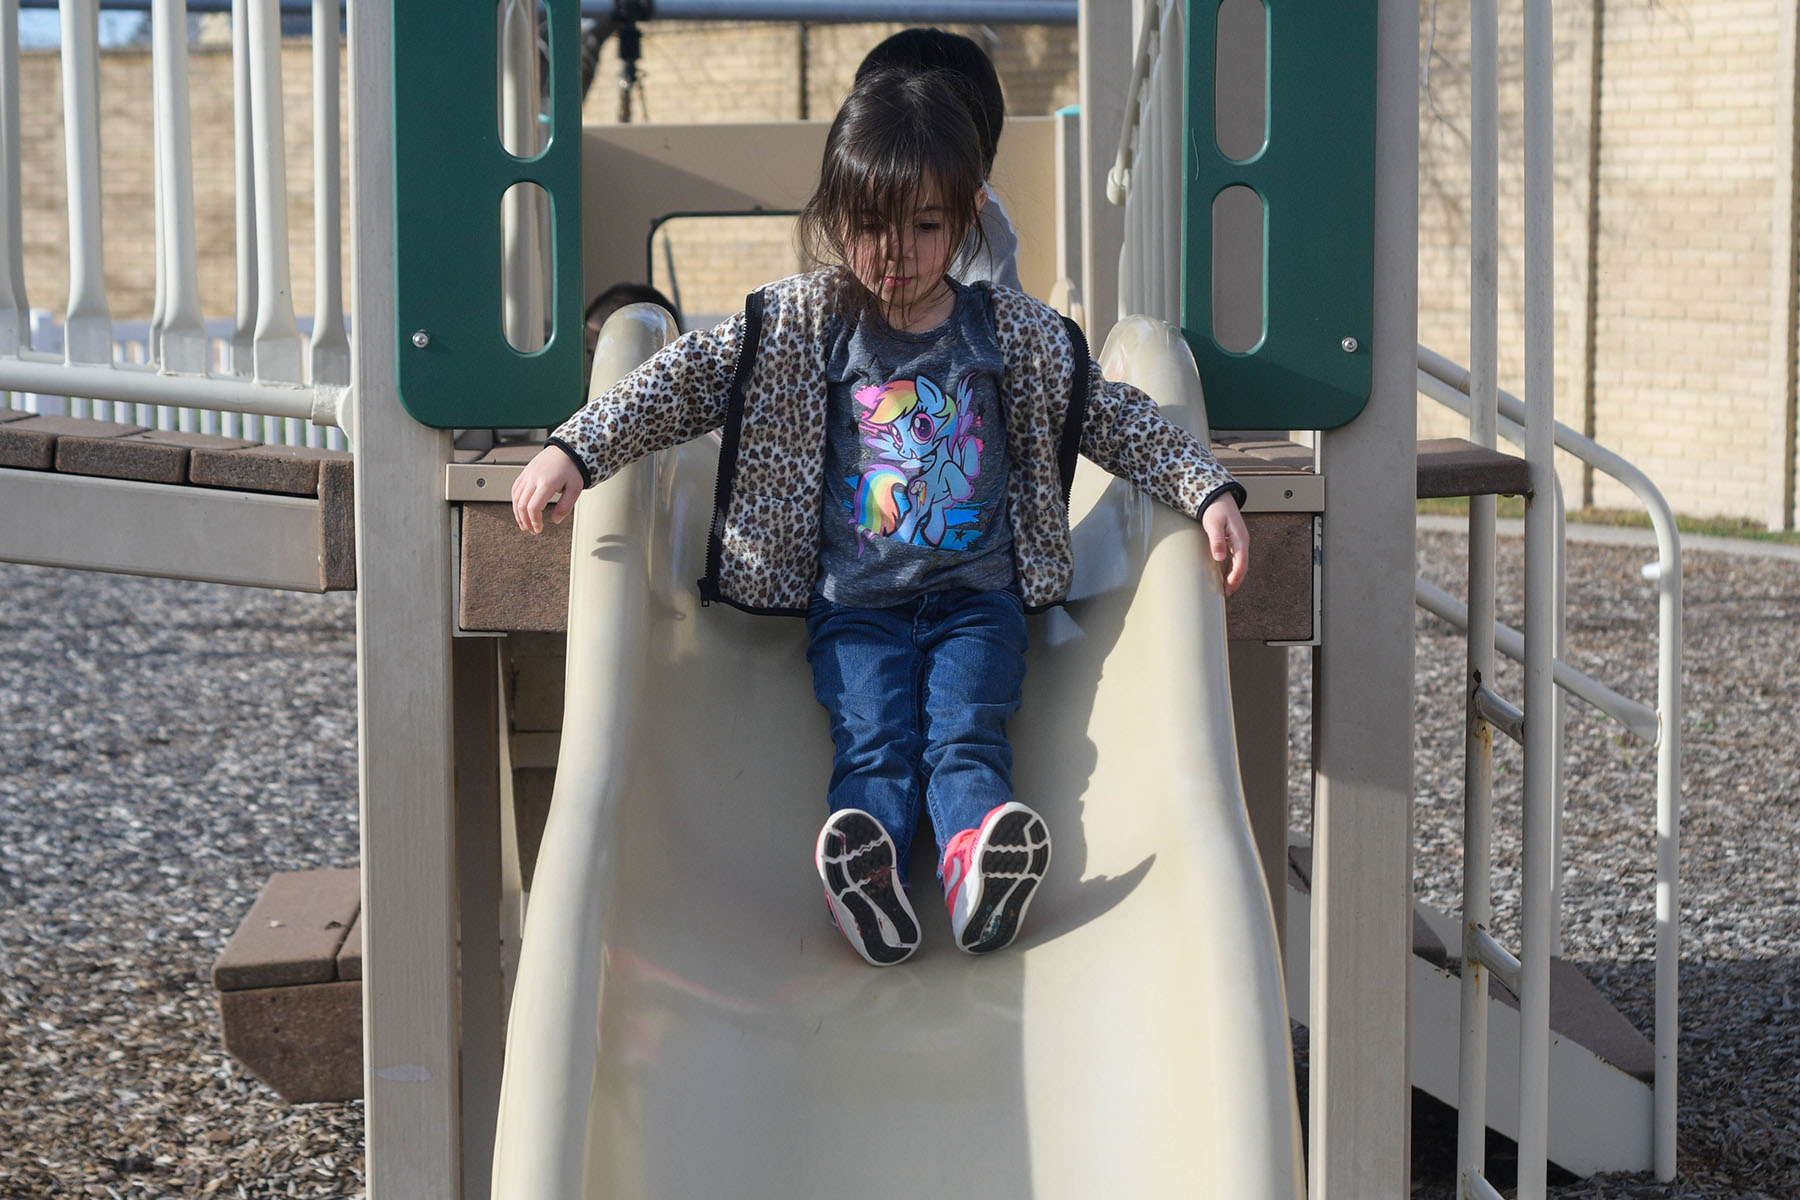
895,468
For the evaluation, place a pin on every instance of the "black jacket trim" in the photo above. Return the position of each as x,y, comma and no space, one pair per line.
1068,454
728,448
587,476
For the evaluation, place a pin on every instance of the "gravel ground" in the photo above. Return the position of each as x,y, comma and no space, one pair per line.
167,745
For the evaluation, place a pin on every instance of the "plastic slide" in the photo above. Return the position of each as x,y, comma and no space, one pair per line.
687,1023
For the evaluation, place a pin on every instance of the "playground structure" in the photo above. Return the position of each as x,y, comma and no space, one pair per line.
439,894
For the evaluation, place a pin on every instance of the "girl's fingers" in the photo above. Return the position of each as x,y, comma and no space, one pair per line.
564,503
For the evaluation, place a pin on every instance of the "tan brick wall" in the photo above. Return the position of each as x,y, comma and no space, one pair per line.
128,233
1690,361
1687,168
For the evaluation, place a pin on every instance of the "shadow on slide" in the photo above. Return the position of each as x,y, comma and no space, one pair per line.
687,1022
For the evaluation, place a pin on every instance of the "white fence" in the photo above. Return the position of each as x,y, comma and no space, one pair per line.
252,377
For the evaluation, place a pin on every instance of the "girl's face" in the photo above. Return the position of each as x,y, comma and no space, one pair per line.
904,268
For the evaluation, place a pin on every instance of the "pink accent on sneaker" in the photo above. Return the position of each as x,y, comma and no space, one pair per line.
990,874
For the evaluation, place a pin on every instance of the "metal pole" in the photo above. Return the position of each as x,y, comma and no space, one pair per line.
1668,847
15,309
330,343
1540,606
277,344
1478,743
87,326
183,328
243,333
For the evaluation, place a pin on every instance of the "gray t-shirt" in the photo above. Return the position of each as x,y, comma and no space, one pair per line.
915,460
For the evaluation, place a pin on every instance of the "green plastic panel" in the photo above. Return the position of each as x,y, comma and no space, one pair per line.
456,368
1315,176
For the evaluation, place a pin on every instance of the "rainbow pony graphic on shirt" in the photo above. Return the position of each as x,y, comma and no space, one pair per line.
923,462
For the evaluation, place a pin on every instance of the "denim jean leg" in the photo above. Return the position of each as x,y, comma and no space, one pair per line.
974,676
865,673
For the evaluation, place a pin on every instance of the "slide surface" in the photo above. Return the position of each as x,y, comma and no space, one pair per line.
687,1023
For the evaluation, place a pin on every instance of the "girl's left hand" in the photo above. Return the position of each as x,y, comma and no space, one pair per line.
1228,539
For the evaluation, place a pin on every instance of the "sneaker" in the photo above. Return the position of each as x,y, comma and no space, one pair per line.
856,861
991,873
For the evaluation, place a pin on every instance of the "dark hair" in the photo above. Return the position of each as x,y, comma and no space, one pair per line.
897,134
915,50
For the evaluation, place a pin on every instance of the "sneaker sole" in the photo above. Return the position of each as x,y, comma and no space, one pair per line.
1012,859
855,857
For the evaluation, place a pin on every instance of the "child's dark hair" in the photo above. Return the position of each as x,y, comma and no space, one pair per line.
915,50
897,134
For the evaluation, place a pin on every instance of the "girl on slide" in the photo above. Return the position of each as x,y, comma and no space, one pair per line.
897,454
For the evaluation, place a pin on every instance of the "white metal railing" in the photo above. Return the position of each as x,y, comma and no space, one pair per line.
1659,728
1538,723
263,372
1146,175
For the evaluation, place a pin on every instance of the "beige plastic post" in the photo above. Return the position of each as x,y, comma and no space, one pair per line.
403,618
1363,699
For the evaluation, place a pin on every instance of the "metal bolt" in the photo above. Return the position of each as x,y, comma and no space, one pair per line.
1349,344
421,339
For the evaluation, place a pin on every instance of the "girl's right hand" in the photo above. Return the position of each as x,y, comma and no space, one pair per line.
552,471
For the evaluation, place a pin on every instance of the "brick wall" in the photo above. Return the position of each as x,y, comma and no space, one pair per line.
1689,322
1688,166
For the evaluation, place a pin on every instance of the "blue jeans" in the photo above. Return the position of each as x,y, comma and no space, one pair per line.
919,696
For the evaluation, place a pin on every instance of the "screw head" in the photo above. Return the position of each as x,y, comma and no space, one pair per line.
421,339
1349,345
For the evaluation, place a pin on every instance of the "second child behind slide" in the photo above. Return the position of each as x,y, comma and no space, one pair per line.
895,457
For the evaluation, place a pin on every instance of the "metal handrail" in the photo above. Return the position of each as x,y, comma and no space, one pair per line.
1145,177
1118,179
1448,383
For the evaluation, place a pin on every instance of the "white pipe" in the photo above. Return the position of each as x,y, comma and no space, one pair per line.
1538,863
276,349
87,326
1478,742
1495,957
1174,100
1641,720
182,325
159,251
522,276
330,342
15,309
243,334
145,385
1491,707
1118,180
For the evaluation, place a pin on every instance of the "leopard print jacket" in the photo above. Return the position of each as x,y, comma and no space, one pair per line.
765,553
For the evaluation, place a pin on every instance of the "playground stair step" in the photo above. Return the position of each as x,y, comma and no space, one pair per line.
1578,1010
289,983
129,455
1601,1067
